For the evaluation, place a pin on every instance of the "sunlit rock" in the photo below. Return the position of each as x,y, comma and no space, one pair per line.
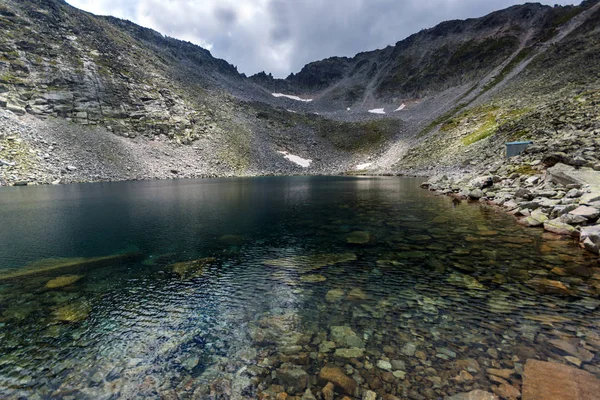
63,281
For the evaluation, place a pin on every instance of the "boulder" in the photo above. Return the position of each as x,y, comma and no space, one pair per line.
555,158
567,175
475,194
590,213
590,198
544,380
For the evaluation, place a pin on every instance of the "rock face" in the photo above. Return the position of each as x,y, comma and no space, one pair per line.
544,380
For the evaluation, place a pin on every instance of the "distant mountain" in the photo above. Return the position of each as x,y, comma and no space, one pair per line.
142,105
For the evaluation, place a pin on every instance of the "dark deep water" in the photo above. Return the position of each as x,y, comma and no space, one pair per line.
208,286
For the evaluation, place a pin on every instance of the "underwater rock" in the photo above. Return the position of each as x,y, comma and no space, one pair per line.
344,336
337,376
313,278
293,378
73,312
312,262
231,240
192,269
465,281
384,365
52,265
334,295
358,237
474,395
349,353
357,294
548,286
63,281
546,380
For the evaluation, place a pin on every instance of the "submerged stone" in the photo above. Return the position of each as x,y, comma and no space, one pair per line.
349,353
63,281
357,294
474,395
73,312
359,237
548,286
192,269
59,264
334,295
312,262
313,278
231,240
545,380
337,376
465,281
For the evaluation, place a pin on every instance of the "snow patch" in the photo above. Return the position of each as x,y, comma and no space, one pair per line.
296,159
377,111
402,107
360,167
348,109
289,96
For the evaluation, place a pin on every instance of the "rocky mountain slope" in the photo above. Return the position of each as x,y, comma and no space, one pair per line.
87,98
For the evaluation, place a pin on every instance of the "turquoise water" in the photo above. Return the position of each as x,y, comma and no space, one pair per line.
213,288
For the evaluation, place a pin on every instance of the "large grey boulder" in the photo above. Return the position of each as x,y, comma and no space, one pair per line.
566,175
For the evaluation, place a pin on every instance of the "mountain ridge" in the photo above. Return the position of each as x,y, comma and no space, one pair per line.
75,71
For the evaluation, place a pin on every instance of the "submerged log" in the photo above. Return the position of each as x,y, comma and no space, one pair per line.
53,265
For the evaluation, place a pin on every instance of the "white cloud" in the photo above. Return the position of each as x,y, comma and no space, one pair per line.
281,36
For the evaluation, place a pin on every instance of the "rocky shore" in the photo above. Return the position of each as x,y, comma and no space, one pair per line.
562,199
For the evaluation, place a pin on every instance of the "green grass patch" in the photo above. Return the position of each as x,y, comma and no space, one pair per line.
486,129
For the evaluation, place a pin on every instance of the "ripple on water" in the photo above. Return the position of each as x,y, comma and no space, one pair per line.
420,302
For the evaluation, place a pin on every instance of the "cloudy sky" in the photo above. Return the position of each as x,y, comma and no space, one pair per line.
281,36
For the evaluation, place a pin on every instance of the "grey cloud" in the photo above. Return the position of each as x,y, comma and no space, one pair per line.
226,16
281,36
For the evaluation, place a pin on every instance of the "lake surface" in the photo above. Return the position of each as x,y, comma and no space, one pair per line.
229,288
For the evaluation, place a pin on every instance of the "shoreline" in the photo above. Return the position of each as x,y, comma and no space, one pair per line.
545,200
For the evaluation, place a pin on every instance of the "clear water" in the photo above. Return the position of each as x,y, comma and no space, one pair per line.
433,286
